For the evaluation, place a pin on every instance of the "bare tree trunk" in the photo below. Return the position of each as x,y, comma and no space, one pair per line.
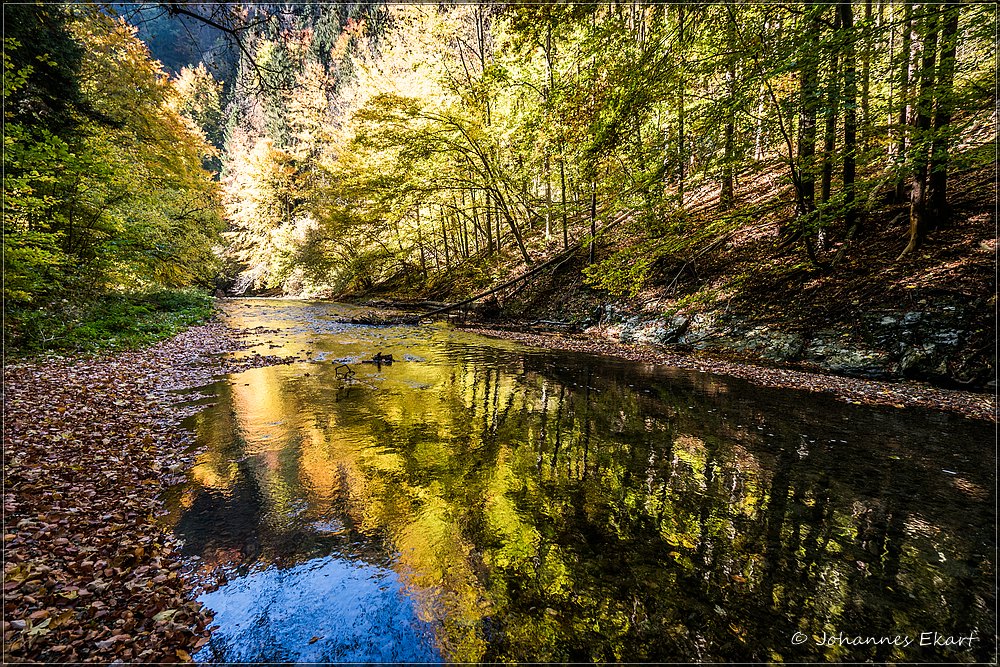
420,242
758,146
489,227
465,232
562,189
921,125
444,236
808,109
593,218
830,133
866,68
499,228
481,33
850,113
905,60
680,109
727,194
547,170
461,219
944,104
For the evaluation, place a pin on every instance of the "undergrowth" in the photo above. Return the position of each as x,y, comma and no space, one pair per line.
109,321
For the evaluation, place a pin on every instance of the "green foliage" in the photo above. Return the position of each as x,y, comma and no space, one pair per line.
626,271
112,320
199,100
104,187
372,140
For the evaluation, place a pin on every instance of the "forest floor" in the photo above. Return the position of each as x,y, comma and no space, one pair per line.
90,442
749,275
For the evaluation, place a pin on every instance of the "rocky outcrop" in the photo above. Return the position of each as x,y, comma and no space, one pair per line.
928,344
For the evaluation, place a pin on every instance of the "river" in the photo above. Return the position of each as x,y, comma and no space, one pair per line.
480,500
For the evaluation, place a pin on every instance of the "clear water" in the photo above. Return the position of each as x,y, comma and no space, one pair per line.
478,500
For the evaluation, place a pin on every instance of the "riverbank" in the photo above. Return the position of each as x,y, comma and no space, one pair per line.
857,311
742,358
901,394
90,443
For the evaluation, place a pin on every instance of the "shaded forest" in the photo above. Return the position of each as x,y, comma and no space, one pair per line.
691,153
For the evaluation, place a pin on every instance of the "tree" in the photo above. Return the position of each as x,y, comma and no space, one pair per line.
199,99
926,45
846,15
944,105
431,137
104,188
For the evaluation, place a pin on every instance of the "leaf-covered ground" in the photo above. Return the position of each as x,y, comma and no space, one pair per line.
89,444
853,390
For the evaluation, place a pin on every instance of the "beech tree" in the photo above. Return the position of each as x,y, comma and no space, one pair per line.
457,140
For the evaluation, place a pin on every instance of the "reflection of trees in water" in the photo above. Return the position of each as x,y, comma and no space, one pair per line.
813,563
571,517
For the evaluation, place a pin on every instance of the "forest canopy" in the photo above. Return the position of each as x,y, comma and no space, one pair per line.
408,145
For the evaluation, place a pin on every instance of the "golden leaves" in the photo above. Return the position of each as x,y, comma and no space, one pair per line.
91,442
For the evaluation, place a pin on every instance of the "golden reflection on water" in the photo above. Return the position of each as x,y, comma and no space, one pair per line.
540,512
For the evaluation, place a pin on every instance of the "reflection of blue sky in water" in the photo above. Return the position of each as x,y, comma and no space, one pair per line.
359,612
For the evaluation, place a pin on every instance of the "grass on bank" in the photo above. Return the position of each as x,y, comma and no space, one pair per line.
104,322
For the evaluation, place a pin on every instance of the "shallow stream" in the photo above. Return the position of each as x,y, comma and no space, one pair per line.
480,500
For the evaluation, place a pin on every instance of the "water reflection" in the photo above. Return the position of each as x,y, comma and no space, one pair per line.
523,505
324,610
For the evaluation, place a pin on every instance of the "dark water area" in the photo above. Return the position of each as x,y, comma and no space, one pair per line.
479,500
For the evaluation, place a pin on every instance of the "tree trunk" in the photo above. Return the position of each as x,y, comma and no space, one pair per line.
832,104
489,227
944,104
461,215
502,208
866,66
562,188
829,132
444,237
905,59
808,108
850,113
550,77
499,228
921,129
758,142
548,195
680,109
477,227
727,194
593,218
481,32
420,242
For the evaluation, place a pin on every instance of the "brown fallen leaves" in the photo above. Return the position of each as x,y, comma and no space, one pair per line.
852,390
89,444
